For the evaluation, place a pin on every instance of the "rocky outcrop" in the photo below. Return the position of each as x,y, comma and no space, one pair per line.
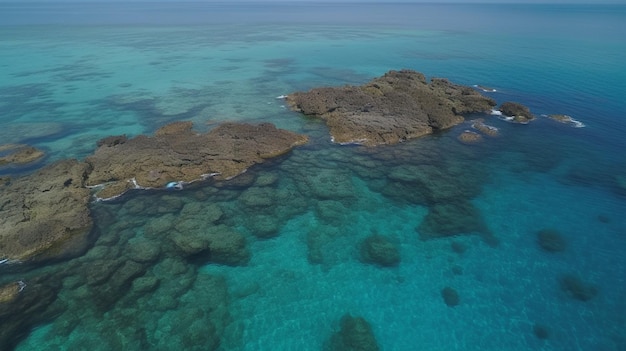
398,106
517,112
45,215
178,154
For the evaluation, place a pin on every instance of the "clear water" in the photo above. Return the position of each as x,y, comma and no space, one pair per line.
73,73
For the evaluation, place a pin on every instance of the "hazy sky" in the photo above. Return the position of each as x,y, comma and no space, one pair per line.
381,1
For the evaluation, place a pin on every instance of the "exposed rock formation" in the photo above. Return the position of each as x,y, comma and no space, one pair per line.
398,106
566,120
519,112
45,215
176,153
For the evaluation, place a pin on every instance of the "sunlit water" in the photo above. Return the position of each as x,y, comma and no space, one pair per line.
72,74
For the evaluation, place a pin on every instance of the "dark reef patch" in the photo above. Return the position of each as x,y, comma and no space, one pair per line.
541,331
457,218
450,296
378,249
355,334
551,240
577,288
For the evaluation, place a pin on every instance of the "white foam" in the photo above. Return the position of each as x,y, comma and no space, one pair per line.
208,175
281,97
485,89
21,284
351,142
497,113
571,121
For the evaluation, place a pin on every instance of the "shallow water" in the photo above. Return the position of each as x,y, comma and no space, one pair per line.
68,80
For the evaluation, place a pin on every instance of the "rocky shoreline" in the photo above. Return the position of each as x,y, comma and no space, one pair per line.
45,215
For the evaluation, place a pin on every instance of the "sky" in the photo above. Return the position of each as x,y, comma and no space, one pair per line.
372,1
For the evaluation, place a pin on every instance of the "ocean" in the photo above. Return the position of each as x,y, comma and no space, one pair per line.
73,73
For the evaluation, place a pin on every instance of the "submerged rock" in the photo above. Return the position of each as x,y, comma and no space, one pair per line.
484,128
398,106
24,305
450,296
379,250
19,154
577,289
45,215
469,137
178,154
541,331
444,220
551,240
355,335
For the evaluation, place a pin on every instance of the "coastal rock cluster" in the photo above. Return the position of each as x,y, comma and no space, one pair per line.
45,215
398,106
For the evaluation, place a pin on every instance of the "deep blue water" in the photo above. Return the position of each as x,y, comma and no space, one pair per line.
73,73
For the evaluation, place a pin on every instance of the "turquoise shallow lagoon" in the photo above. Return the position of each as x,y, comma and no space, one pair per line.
71,74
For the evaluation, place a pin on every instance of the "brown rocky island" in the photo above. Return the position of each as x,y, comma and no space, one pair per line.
398,106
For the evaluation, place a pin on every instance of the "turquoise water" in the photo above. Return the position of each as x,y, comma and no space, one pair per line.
71,74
